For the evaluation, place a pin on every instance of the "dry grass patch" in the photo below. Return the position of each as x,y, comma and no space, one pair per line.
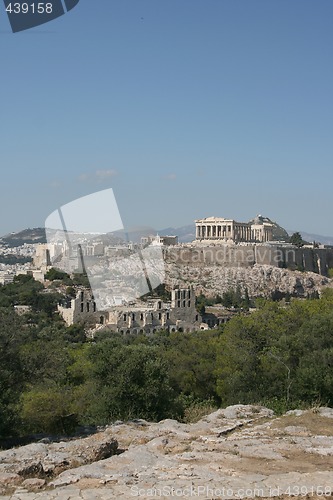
313,422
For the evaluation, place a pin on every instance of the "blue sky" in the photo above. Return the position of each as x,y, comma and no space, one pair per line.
186,108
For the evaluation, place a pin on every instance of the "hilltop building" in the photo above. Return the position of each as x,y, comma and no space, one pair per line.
228,230
159,240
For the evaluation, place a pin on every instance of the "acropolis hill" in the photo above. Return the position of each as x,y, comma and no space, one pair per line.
252,255
222,254
227,243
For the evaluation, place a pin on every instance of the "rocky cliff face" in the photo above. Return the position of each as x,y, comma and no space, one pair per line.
237,452
260,280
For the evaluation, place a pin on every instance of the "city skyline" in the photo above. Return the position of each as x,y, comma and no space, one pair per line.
186,110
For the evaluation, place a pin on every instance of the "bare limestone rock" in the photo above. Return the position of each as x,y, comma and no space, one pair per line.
258,279
242,451
41,460
33,483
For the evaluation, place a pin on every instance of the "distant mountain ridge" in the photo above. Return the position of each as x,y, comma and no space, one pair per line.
319,238
185,234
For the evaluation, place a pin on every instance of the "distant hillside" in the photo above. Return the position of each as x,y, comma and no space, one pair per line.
310,237
34,235
37,235
185,234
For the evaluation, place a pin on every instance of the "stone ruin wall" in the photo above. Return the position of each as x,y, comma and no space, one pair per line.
262,270
317,260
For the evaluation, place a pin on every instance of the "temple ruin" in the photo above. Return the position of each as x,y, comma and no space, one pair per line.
228,230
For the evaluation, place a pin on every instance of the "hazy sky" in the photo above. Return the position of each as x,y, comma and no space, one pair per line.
186,108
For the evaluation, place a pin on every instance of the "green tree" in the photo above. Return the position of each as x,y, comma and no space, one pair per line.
191,358
132,382
71,292
24,290
200,303
81,279
48,409
246,301
281,353
238,296
11,372
228,298
296,239
55,274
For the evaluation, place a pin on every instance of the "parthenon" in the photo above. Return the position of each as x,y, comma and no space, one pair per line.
219,228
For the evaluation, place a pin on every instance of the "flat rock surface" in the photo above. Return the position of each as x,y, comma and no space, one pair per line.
237,452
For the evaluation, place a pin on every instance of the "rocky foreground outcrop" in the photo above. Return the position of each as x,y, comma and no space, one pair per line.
237,452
